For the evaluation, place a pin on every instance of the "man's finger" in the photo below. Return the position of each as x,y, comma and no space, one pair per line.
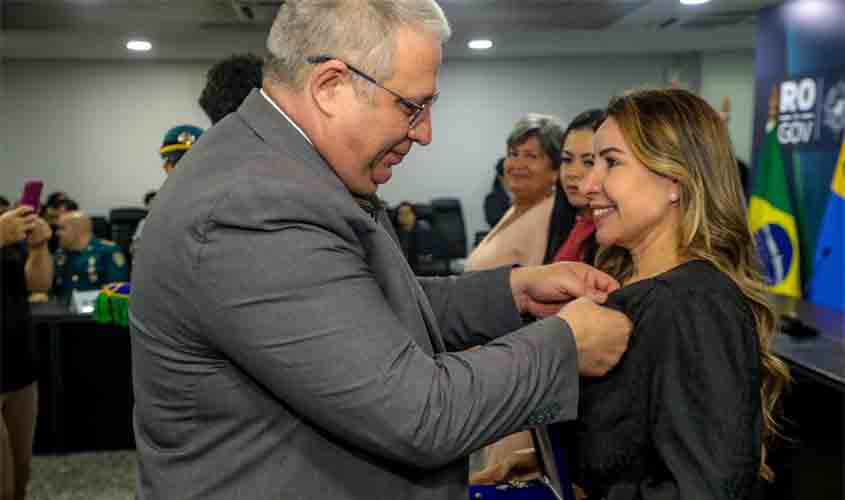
602,281
571,282
543,310
597,296
592,278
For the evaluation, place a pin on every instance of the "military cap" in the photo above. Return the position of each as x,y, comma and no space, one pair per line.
177,141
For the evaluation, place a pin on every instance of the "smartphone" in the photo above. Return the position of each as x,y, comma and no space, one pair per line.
32,194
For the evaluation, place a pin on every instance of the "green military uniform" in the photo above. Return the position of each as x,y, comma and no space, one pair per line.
101,262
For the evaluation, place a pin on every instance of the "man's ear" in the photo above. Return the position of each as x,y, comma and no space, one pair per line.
328,84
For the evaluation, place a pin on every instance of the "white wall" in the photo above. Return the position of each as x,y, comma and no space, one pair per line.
732,74
480,102
93,128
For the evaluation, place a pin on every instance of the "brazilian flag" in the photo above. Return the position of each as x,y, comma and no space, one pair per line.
772,220
829,264
112,306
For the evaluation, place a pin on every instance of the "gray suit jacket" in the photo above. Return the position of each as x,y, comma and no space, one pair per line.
282,348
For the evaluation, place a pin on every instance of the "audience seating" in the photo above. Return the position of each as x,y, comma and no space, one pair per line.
449,230
479,237
447,237
123,222
101,227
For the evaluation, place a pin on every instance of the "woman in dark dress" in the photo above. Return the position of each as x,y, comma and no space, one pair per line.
687,413
25,265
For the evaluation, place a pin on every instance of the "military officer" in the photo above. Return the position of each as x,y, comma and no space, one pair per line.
83,262
177,141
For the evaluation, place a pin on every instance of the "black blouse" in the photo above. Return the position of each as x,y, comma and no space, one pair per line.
680,416
17,344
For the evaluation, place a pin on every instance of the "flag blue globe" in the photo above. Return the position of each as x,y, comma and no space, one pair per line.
776,252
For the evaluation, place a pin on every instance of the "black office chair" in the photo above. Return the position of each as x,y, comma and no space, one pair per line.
449,229
423,212
123,223
449,241
101,227
479,237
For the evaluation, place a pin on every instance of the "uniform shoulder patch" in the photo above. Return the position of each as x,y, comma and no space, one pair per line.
119,259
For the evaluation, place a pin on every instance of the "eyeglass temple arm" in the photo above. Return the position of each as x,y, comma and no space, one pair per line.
322,59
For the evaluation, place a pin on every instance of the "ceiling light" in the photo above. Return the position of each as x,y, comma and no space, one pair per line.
480,44
694,2
139,45
813,8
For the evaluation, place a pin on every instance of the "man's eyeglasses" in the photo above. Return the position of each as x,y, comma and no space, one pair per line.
417,111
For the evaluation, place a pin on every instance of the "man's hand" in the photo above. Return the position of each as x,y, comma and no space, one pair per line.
601,335
40,234
16,224
542,290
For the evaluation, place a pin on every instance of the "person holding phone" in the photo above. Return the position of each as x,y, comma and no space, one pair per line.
25,266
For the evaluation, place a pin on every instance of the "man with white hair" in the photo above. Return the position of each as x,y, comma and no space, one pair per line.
282,348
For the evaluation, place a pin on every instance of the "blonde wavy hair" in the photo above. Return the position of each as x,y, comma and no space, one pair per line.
678,135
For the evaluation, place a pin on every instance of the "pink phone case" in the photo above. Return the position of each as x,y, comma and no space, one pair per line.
32,194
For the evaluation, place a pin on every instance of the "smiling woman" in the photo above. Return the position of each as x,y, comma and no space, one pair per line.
530,172
688,413
521,236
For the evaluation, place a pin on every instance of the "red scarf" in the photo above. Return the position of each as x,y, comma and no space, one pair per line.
571,250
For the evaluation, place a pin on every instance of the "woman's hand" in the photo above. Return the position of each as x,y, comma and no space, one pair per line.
515,465
39,235
16,224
